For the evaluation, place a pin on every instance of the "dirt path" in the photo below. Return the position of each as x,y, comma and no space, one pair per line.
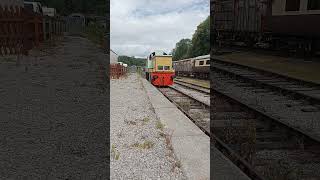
53,113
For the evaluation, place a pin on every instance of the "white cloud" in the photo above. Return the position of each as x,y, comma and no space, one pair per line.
141,26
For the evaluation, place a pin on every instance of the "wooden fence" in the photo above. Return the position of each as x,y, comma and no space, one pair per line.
22,30
11,30
117,71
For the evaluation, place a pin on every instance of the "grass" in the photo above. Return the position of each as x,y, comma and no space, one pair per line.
145,120
159,125
145,145
185,105
169,141
115,154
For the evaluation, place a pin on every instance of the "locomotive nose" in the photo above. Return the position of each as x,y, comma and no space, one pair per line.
154,77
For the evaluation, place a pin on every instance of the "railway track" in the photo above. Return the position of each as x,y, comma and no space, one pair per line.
272,149
276,133
299,89
196,110
295,107
261,146
193,86
190,106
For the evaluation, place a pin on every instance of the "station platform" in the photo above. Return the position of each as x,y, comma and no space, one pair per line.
189,143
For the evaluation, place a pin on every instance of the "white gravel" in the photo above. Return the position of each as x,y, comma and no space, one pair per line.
133,122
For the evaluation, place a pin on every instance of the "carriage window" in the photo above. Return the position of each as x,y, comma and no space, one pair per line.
293,5
201,63
208,62
160,67
313,5
166,67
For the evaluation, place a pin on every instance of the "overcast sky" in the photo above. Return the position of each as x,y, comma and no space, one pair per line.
139,27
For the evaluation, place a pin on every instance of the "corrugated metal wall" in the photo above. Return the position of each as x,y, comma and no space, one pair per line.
239,15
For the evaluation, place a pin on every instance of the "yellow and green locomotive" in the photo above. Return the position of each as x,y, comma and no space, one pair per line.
159,69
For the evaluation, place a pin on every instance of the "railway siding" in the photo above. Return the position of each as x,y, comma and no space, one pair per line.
202,97
275,81
291,67
296,114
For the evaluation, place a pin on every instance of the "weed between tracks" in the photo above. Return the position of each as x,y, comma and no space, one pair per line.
185,105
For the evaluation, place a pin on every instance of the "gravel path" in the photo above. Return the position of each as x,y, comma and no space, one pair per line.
53,113
138,146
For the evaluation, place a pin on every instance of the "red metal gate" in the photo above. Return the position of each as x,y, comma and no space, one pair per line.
117,70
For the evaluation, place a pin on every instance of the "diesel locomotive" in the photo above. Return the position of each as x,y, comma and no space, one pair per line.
159,69
283,25
197,67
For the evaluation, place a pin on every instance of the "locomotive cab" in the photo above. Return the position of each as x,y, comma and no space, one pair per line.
159,69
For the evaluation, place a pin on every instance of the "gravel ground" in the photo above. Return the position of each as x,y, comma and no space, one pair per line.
53,113
281,107
138,148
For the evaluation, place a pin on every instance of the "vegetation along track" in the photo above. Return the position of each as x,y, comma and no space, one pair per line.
295,87
273,150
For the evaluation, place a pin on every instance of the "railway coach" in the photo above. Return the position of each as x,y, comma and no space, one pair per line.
197,67
284,25
159,69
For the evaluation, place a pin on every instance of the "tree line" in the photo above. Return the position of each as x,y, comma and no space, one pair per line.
197,46
66,7
132,61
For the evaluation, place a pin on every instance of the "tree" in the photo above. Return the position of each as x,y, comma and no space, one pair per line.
132,61
181,50
198,46
201,40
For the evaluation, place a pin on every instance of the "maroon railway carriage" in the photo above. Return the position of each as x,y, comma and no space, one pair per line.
275,24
